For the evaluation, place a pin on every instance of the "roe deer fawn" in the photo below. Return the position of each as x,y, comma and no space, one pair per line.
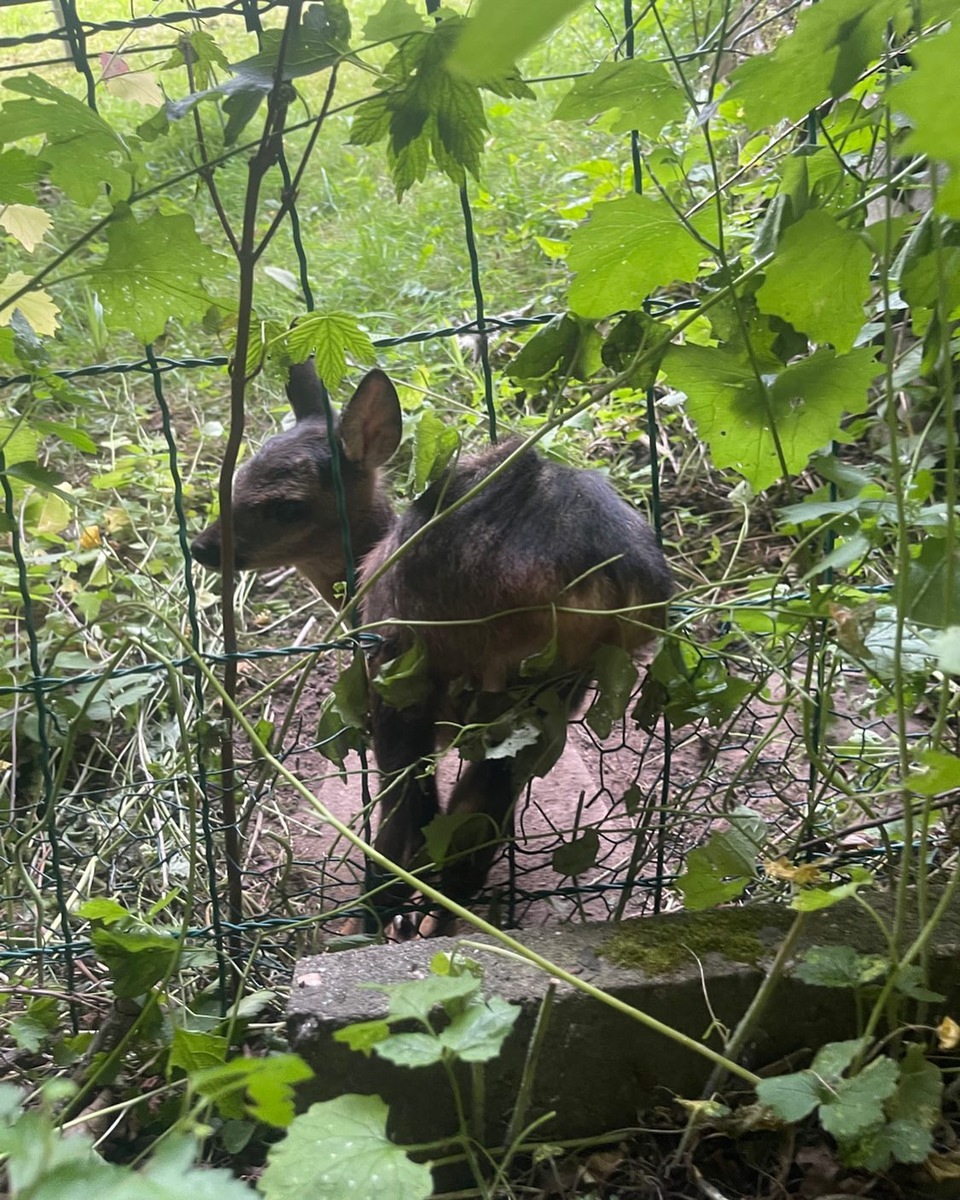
546,563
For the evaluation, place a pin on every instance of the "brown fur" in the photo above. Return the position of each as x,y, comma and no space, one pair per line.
543,553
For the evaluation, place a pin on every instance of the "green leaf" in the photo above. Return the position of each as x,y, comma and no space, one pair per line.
805,402
853,1105
930,594
628,249
840,967
644,94
405,681
567,345
350,693
194,1051
154,270
833,1058
340,1148
101,909
616,676
394,21
502,31
313,47
411,1049
136,961
721,869
577,856
908,1140
636,334
815,899
19,174
267,1082
946,646
331,337
362,1035
477,1034
435,444
823,56
83,152
335,739
419,997
819,280
942,774
791,1097
916,1107
930,96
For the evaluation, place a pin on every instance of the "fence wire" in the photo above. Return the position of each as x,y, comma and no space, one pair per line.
113,788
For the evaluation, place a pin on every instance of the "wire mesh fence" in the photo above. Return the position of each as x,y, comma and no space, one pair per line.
114,779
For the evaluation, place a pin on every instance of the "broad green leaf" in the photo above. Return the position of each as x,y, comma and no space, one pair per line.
568,345
419,997
395,20
82,150
840,967
340,1148
919,1094
819,280
930,96
136,961
331,337
833,1058
194,1051
636,334
477,1034
102,909
909,1140
205,57
946,646
577,856
268,1084
628,249
350,693
815,899
941,774
502,31
823,56
19,175
405,681
435,444
806,403
930,594
616,676
791,1097
410,1049
644,93
311,47
853,1105
718,871
154,271
363,1035
335,739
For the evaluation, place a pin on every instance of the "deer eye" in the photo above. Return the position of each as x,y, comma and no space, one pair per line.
285,511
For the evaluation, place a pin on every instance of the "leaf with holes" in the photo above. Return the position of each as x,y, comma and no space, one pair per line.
628,249
340,1148
643,94
805,404
819,280
155,270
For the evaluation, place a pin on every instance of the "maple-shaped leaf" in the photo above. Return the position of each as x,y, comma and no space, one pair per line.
823,56
330,336
19,174
424,110
35,307
83,151
819,280
736,413
503,31
628,249
644,94
154,271
25,222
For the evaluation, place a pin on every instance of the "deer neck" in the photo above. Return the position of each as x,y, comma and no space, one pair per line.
368,527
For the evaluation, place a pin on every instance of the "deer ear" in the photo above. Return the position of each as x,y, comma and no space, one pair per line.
371,424
304,390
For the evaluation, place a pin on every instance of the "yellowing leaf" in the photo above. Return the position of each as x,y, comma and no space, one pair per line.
948,1034
90,537
27,223
805,875
138,86
36,307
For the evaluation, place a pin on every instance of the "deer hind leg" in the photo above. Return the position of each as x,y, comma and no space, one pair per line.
404,742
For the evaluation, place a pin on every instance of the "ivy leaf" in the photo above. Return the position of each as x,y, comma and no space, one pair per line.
819,280
806,403
616,676
573,858
477,1034
854,1105
395,20
340,1148
82,150
154,271
644,94
628,249
435,444
930,96
503,31
823,56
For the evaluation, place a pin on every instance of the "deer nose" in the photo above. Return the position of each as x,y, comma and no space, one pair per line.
206,550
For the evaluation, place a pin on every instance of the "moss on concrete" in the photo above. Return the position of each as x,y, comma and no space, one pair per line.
664,947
